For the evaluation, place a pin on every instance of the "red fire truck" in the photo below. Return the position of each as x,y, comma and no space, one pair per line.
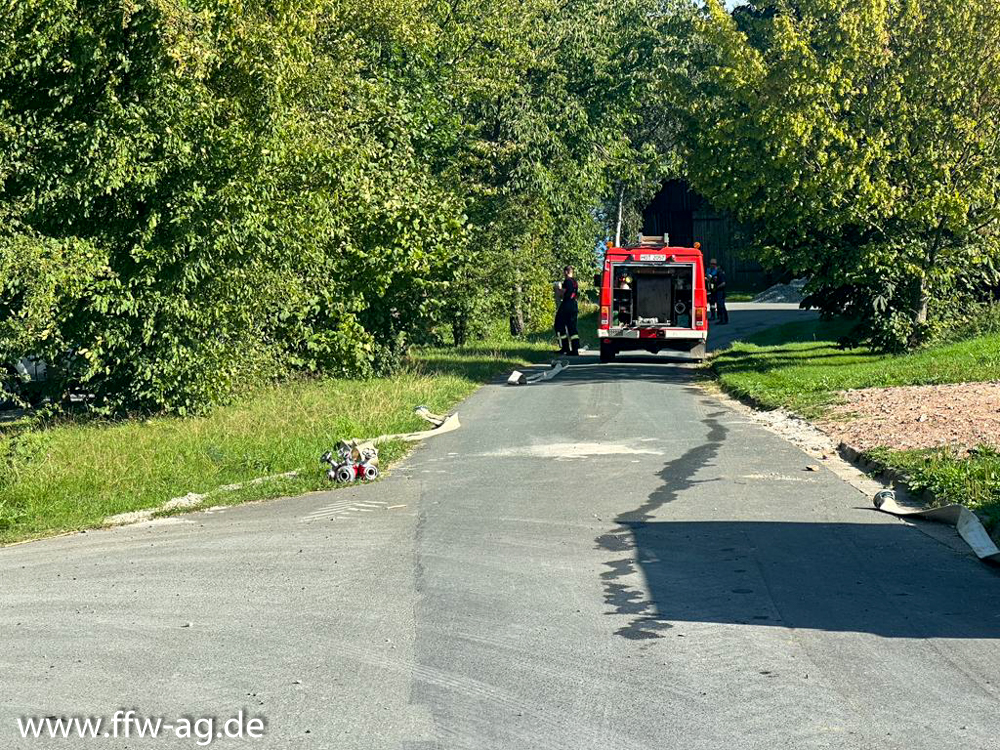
653,298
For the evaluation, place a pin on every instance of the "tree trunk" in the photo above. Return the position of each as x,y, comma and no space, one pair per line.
922,292
621,210
920,299
517,314
460,329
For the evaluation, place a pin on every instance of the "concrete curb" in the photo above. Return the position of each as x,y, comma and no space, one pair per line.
896,478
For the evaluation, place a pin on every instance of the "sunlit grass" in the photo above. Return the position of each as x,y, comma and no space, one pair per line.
72,474
799,366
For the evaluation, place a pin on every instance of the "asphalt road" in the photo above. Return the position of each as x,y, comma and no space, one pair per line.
610,560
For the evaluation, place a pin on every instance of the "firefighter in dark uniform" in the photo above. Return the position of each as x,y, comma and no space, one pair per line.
722,314
566,317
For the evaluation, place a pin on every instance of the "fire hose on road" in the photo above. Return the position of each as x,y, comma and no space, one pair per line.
349,461
519,378
968,525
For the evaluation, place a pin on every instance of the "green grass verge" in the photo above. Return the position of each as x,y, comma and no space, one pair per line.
70,475
799,367
972,480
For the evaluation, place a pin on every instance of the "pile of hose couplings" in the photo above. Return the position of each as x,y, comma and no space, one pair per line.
351,461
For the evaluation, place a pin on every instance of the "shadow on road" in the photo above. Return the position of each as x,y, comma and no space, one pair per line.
587,370
866,578
675,367
647,618
880,578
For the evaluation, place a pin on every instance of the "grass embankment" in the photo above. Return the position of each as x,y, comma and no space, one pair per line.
70,475
799,367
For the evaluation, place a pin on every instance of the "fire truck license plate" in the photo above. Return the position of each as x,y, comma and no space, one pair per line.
652,257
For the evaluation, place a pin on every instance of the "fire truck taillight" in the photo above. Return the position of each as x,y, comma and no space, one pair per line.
605,315
699,316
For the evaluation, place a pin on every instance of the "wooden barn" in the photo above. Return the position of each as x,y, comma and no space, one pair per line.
686,218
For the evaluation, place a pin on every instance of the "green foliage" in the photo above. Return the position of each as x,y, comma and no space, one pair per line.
197,197
141,152
859,139
548,93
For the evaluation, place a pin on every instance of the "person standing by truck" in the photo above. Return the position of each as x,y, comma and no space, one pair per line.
722,314
710,279
566,317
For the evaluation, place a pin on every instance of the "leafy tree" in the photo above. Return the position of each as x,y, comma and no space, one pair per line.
140,150
860,140
645,50
197,196
390,230
524,149
188,207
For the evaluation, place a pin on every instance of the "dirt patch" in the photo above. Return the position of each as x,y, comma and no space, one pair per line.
963,415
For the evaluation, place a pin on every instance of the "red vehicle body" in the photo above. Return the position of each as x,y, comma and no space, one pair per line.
653,298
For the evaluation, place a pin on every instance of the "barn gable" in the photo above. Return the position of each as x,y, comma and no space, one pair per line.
687,218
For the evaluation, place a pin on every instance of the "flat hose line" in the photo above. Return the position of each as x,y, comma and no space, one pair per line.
967,523
441,425
519,378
